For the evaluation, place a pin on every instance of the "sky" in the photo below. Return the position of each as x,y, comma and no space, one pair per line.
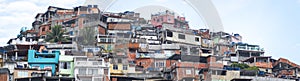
272,24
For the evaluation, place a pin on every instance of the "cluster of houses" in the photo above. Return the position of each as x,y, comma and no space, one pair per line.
127,47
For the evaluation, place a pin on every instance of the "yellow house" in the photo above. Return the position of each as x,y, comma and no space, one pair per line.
118,69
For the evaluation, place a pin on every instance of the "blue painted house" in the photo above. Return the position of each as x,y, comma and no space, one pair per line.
43,60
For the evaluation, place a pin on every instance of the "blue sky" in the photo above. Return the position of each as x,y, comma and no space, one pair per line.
272,24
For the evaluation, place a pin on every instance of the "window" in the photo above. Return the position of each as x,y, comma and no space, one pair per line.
161,64
22,74
180,36
196,72
65,65
43,29
82,71
125,67
197,39
169,33
109,40
102,40
93,71
188,72
115,67
119,60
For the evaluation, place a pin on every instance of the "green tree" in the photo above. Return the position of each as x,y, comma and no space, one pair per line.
242,66
252,68
87,36
56,35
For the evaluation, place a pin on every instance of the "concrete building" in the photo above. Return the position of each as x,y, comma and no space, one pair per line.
262,62
66,66
168,17
20,73
5,74
44,60
91,69
244,51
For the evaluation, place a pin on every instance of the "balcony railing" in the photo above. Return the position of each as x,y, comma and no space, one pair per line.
106,40
89,64
170,46
249,48
155,55
61,46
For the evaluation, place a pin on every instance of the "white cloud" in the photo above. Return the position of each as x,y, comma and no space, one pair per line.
20,13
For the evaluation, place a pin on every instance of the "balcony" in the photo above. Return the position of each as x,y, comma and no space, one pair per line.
65,71
89,64
154,47
61,46
249,48
106,40
170,46
44,57
155,55
89,75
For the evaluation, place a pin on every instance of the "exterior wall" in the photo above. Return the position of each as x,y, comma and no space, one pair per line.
145,62
134,45
206,43
262,64
90,65
185,72
228,77
213,63
89,75
191,64
69,71
119,26
160,19
169,63
46,66
119,70
189,39
4,77
36,60
10,66
101,30
22,73
264,78
1,62
43,29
